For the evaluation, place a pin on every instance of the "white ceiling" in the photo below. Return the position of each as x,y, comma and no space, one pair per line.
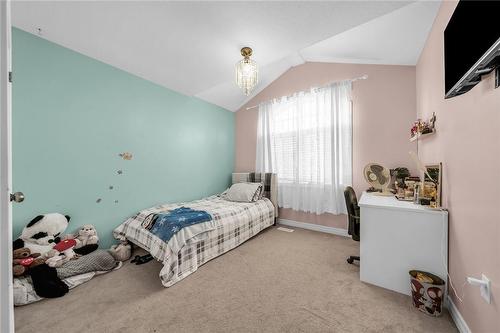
191,47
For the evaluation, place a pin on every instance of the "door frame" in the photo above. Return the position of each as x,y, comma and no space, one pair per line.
6,282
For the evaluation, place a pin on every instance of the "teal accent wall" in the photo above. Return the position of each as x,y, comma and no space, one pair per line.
73,115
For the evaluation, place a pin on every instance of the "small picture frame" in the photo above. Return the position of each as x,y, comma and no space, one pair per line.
435,172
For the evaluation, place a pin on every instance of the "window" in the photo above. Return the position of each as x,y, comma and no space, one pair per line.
307,140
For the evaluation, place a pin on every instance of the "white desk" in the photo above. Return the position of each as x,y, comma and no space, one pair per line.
397,236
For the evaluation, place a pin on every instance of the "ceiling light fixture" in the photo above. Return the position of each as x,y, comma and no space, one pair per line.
247,72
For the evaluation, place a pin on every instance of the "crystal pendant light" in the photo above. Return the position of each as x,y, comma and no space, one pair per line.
247,73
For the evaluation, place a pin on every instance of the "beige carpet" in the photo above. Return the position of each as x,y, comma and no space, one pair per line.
275,282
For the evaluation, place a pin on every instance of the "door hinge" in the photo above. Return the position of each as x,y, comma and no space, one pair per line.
10,77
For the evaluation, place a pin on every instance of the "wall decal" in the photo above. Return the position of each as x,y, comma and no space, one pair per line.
126,156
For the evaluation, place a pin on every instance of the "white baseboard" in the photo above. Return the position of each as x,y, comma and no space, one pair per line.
315,227
457,317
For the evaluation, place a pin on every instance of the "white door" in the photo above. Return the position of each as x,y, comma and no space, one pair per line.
6,304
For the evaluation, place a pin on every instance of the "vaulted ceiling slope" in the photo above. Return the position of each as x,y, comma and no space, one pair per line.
191,47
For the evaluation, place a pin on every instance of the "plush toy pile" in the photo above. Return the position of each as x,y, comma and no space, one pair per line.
42,251
23,260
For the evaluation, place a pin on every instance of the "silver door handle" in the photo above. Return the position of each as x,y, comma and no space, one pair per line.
17,197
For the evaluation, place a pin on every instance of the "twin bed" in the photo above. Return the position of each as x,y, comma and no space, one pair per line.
232,224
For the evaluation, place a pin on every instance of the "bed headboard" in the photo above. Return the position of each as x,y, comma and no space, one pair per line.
270,181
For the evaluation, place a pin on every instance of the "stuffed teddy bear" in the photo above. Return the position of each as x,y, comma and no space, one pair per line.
86,239
23,260
42,233
86,235
121,252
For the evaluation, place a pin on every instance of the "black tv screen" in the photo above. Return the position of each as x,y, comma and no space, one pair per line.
471,31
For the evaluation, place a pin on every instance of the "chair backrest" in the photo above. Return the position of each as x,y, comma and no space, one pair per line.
351,202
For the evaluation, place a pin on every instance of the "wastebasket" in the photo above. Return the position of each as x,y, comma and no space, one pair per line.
427,292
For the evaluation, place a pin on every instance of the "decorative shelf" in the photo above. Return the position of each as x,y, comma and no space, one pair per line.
420,135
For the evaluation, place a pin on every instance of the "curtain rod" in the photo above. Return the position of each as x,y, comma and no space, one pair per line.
362,77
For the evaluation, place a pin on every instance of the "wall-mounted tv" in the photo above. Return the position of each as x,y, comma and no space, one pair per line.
471,45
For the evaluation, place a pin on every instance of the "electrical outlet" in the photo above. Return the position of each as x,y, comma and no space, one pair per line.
486,289
484,286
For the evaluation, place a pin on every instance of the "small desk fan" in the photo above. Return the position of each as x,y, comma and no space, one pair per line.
378,177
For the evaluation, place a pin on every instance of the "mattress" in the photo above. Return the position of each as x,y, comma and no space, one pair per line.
232,224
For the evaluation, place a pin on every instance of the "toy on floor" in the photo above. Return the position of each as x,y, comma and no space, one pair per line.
121,252
42,233
86,235
86,239
46,282
72,273
23,260
61,253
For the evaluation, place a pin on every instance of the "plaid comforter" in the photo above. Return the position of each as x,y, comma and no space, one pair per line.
233,223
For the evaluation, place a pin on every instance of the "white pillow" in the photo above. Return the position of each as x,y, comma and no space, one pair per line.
243,192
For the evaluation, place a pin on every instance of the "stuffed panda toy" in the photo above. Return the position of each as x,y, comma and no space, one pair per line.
42,233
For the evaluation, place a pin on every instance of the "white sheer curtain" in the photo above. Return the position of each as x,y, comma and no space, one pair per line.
307,140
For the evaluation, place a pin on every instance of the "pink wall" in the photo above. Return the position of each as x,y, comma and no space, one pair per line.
468,143
383,110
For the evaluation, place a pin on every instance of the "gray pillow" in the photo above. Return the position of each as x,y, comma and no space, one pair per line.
244,192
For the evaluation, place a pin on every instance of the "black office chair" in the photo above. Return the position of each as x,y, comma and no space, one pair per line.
353,214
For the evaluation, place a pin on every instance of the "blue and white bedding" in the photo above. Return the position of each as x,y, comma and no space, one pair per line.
166,224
